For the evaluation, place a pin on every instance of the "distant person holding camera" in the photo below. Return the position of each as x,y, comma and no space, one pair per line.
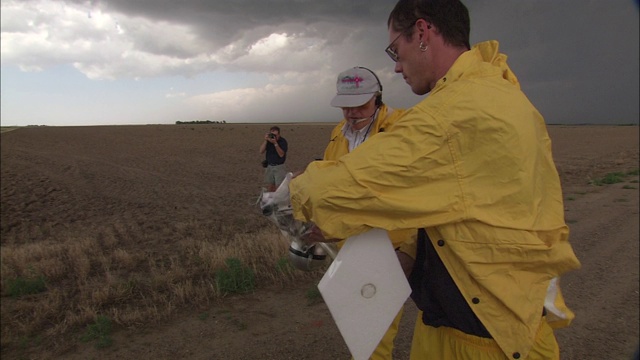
275,147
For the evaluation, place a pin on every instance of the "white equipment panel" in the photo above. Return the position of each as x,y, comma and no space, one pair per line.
364,288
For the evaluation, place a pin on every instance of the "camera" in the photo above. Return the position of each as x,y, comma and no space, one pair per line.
272,136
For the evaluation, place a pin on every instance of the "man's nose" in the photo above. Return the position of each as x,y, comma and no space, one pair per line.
350,110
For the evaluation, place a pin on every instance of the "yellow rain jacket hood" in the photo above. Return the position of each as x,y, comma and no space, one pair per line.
472,164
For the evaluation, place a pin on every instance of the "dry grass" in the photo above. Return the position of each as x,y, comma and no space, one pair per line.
86,278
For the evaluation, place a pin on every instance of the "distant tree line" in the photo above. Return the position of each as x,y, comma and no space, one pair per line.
201,122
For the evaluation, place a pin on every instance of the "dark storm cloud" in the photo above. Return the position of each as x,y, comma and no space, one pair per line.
256,12
576,60
223,22
568,55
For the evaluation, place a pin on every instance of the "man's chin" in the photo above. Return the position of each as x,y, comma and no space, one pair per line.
419,90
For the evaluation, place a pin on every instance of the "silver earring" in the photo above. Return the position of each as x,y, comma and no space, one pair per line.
423,47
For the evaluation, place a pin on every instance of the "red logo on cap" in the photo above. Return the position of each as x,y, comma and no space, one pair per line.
355,79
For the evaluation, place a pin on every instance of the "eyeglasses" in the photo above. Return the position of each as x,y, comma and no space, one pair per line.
391,52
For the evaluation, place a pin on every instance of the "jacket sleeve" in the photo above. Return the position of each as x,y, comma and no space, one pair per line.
383,183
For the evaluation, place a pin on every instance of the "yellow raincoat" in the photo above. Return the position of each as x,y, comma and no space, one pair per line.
472,164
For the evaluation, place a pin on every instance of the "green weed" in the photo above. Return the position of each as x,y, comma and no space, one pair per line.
610,178
313,295
236,278
570,198
283,265
629,187
24,342
26,286
99,331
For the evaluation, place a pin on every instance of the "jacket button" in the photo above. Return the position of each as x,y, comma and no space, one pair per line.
440,242
475,300
516,355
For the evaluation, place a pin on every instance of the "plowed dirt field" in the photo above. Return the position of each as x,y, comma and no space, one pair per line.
138,194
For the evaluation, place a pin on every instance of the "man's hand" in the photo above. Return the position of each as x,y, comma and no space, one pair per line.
314,235
269,137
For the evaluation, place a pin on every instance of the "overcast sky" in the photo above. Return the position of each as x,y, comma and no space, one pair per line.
79,62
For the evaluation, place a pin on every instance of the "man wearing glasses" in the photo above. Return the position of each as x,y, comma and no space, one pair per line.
471,167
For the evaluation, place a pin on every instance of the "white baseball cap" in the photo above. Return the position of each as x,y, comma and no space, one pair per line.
355,87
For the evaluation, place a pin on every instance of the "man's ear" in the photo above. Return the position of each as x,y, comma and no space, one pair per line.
423,26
